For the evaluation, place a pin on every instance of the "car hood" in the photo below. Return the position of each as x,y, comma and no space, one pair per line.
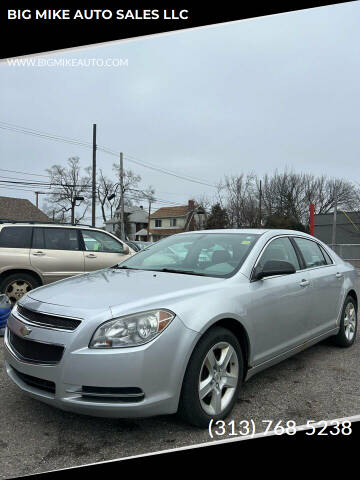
121,289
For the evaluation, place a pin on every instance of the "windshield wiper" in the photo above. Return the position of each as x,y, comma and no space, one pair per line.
124,267
186,272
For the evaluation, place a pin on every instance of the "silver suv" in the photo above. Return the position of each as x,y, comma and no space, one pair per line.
35,254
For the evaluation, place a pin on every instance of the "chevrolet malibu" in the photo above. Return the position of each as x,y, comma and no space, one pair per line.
165,332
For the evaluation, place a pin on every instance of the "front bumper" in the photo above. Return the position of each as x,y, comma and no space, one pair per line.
156,369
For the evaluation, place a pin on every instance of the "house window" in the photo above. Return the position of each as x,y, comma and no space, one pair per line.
172,222
157,223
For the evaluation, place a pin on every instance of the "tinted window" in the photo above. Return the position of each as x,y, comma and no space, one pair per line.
38,238
15,237
280,249
311,252
57,239
100,242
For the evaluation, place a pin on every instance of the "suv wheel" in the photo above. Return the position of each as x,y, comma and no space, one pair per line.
213,378
17,284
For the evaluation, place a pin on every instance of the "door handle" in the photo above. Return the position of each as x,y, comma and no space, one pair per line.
39,253
91,255
304,283
339,275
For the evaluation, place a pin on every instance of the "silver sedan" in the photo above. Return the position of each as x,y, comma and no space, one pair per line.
180,326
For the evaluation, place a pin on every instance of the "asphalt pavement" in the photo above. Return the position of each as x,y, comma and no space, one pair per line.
320,383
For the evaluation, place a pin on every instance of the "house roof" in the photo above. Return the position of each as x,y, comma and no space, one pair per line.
165,212
20,209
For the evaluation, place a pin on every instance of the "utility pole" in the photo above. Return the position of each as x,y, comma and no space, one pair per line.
148,227
94,176
37,199
122,214
260,199
333,239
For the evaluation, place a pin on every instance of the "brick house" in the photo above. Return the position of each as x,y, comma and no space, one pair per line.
167,221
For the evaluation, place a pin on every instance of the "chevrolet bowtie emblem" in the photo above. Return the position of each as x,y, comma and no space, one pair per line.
25,331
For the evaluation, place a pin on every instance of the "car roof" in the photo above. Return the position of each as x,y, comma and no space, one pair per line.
254,231
50,225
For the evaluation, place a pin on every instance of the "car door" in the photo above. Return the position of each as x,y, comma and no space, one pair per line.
101,250
280,307
56,253
327,285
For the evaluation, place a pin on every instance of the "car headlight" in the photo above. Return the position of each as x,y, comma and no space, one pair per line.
131,330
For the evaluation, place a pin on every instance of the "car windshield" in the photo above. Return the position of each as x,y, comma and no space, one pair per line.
208,254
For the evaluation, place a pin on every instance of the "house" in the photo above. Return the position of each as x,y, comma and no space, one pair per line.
21,209
136,222
167,221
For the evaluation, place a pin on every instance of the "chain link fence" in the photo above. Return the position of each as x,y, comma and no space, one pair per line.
349,252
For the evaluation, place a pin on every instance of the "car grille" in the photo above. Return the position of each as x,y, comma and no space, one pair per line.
35,352
39,383
50,321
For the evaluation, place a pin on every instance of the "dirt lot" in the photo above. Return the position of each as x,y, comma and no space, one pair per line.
322,382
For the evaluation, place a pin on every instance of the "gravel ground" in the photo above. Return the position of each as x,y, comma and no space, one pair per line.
322,382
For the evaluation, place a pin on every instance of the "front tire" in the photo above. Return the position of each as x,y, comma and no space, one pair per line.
213,378
348,324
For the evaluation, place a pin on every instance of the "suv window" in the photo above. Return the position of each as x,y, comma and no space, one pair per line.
15,237
280,249
56,239
100,242
311,252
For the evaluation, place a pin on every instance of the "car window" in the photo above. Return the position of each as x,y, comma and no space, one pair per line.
56,239
311,252
217,255
280,249
15,237
327,256
100,242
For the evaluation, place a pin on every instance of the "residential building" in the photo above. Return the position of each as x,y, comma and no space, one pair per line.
136,222
167,221
21,209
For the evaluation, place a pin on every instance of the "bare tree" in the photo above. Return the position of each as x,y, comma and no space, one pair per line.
108,195
67,184
240,199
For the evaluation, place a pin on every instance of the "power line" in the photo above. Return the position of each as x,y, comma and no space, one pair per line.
24,173
74,141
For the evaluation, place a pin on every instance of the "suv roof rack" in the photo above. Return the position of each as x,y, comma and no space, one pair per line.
35,222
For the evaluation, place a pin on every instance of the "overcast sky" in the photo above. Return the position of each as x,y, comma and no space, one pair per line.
255,95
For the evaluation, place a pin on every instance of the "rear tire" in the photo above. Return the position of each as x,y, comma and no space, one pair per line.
16,285
348,324
213,378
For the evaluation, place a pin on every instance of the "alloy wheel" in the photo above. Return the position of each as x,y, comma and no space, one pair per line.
16,289
219,375
350,321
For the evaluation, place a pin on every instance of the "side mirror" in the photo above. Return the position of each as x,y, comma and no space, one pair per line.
274,267
126,249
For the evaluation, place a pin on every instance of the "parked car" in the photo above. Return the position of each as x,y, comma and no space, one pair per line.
154,335
133,245
37,254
